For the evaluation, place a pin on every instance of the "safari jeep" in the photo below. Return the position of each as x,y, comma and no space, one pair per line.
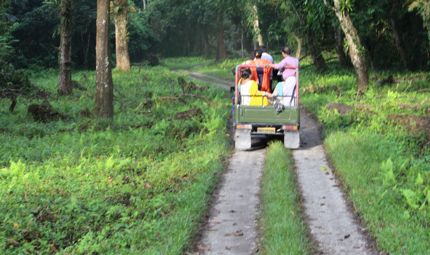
276,119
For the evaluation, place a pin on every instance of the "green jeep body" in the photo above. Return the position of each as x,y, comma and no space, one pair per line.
252,121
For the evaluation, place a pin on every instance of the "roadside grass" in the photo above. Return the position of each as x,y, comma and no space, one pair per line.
222,69
186,62
380,150
359,159
283,230
138,186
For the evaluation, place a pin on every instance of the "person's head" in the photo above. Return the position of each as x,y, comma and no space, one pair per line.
286,51
246,74
263,48
258,53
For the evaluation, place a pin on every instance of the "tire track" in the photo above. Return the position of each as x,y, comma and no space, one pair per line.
232,224
330,221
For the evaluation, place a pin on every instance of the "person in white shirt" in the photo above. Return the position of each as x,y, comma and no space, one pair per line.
266,55
285,91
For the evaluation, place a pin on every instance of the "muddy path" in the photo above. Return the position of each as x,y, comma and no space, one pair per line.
331,222
232,224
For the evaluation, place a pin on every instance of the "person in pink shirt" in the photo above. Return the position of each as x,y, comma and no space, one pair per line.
288,65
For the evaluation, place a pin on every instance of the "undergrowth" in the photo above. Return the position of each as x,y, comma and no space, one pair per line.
138,186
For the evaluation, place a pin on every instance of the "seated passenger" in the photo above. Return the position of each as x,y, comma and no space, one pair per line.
285,91
249,93
258,60
266,55
264,74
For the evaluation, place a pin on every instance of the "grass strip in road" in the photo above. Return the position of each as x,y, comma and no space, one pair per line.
283,229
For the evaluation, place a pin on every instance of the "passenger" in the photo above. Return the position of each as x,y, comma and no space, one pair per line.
249,93
258,60
285,91
266,55
264,74
288,65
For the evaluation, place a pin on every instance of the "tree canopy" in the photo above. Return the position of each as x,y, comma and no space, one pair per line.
394,33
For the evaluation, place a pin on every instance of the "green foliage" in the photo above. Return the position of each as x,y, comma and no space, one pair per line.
139,186
423,7
281,217
388,178
14,83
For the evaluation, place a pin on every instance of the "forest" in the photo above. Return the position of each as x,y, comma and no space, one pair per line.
110,145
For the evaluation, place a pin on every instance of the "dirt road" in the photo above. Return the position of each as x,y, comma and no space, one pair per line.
231,228
330,221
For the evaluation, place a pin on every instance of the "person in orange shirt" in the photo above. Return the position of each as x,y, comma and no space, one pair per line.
258,60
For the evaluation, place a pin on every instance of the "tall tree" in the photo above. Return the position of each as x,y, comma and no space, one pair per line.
339,39
220,36
65,86
356,49
423,8
256,25
120,12
104,86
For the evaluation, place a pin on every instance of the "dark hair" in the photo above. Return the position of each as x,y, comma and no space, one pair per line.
286,50
263,48
246,73
258,53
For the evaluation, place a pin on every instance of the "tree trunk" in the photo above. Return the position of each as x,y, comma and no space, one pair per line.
104,86
221,51
299,46
313,45
316,54
339,36
242,43
121,38
398,43
395,13
65,86
257,31
356,49
87,52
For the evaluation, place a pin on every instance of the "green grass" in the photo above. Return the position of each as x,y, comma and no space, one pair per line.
283,230
138,186
186,62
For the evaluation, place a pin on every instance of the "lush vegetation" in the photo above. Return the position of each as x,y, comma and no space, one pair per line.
282,225
74,186
203,27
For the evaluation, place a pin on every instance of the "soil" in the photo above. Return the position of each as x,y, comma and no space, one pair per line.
232,224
